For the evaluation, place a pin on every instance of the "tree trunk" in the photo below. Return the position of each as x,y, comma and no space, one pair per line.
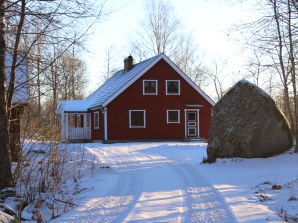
284,75
12,129
5,163
14,133
293,70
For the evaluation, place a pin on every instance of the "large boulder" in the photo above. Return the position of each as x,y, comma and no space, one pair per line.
246,123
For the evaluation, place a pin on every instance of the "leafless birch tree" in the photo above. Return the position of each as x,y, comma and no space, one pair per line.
162,32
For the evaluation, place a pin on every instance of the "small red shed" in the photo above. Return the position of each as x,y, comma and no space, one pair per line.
150,100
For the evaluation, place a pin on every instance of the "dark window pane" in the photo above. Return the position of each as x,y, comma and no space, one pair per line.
192,131
192,116
137,118
173,87
150,87
173,116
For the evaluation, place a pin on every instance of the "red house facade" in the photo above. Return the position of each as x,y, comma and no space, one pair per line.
151,100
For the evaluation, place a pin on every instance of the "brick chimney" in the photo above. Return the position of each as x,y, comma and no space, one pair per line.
128,63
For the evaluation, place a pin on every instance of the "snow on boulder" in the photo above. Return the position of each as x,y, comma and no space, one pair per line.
246,123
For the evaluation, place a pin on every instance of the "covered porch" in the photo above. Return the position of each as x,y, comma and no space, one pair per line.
75,126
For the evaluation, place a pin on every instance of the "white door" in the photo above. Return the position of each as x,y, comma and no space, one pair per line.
191,122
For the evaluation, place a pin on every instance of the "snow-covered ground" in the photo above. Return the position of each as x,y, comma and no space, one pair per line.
166,182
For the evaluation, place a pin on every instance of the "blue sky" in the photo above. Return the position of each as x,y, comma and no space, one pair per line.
208,20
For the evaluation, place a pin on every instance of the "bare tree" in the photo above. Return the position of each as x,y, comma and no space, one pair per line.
255,68
110,67
215,75
5,163
161,27
162,32
275,36
292,51
63,23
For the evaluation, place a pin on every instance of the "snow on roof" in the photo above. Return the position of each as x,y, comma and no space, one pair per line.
21,91
117,84
72,106
105,91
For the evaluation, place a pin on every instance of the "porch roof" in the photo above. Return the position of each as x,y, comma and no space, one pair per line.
72,106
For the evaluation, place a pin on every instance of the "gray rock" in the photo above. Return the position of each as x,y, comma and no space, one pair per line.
246,123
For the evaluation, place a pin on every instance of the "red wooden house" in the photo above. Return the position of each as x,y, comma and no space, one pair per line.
151,100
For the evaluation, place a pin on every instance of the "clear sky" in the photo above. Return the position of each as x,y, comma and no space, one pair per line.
208,20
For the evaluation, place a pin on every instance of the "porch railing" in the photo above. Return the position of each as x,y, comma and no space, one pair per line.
79,133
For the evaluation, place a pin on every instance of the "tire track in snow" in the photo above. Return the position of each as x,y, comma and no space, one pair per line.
203,201
136,184
184,194
125,193
121,198
141,162
161,202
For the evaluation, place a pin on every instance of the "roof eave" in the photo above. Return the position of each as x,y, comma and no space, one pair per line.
95,108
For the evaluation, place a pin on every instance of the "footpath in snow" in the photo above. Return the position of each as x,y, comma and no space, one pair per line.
166,182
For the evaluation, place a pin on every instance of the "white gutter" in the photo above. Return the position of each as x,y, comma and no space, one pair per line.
105,125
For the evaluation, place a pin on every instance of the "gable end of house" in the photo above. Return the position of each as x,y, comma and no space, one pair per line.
158,58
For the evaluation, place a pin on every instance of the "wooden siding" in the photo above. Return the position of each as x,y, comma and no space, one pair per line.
156,107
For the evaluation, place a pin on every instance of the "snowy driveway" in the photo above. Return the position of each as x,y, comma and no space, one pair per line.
148,183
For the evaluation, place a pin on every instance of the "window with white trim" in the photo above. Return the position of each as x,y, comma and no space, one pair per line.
173,116
137,119
172,87
96,120
149,87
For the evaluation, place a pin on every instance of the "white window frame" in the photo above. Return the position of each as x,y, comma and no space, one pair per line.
167,93
134,126
156,87
173,122
94,121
